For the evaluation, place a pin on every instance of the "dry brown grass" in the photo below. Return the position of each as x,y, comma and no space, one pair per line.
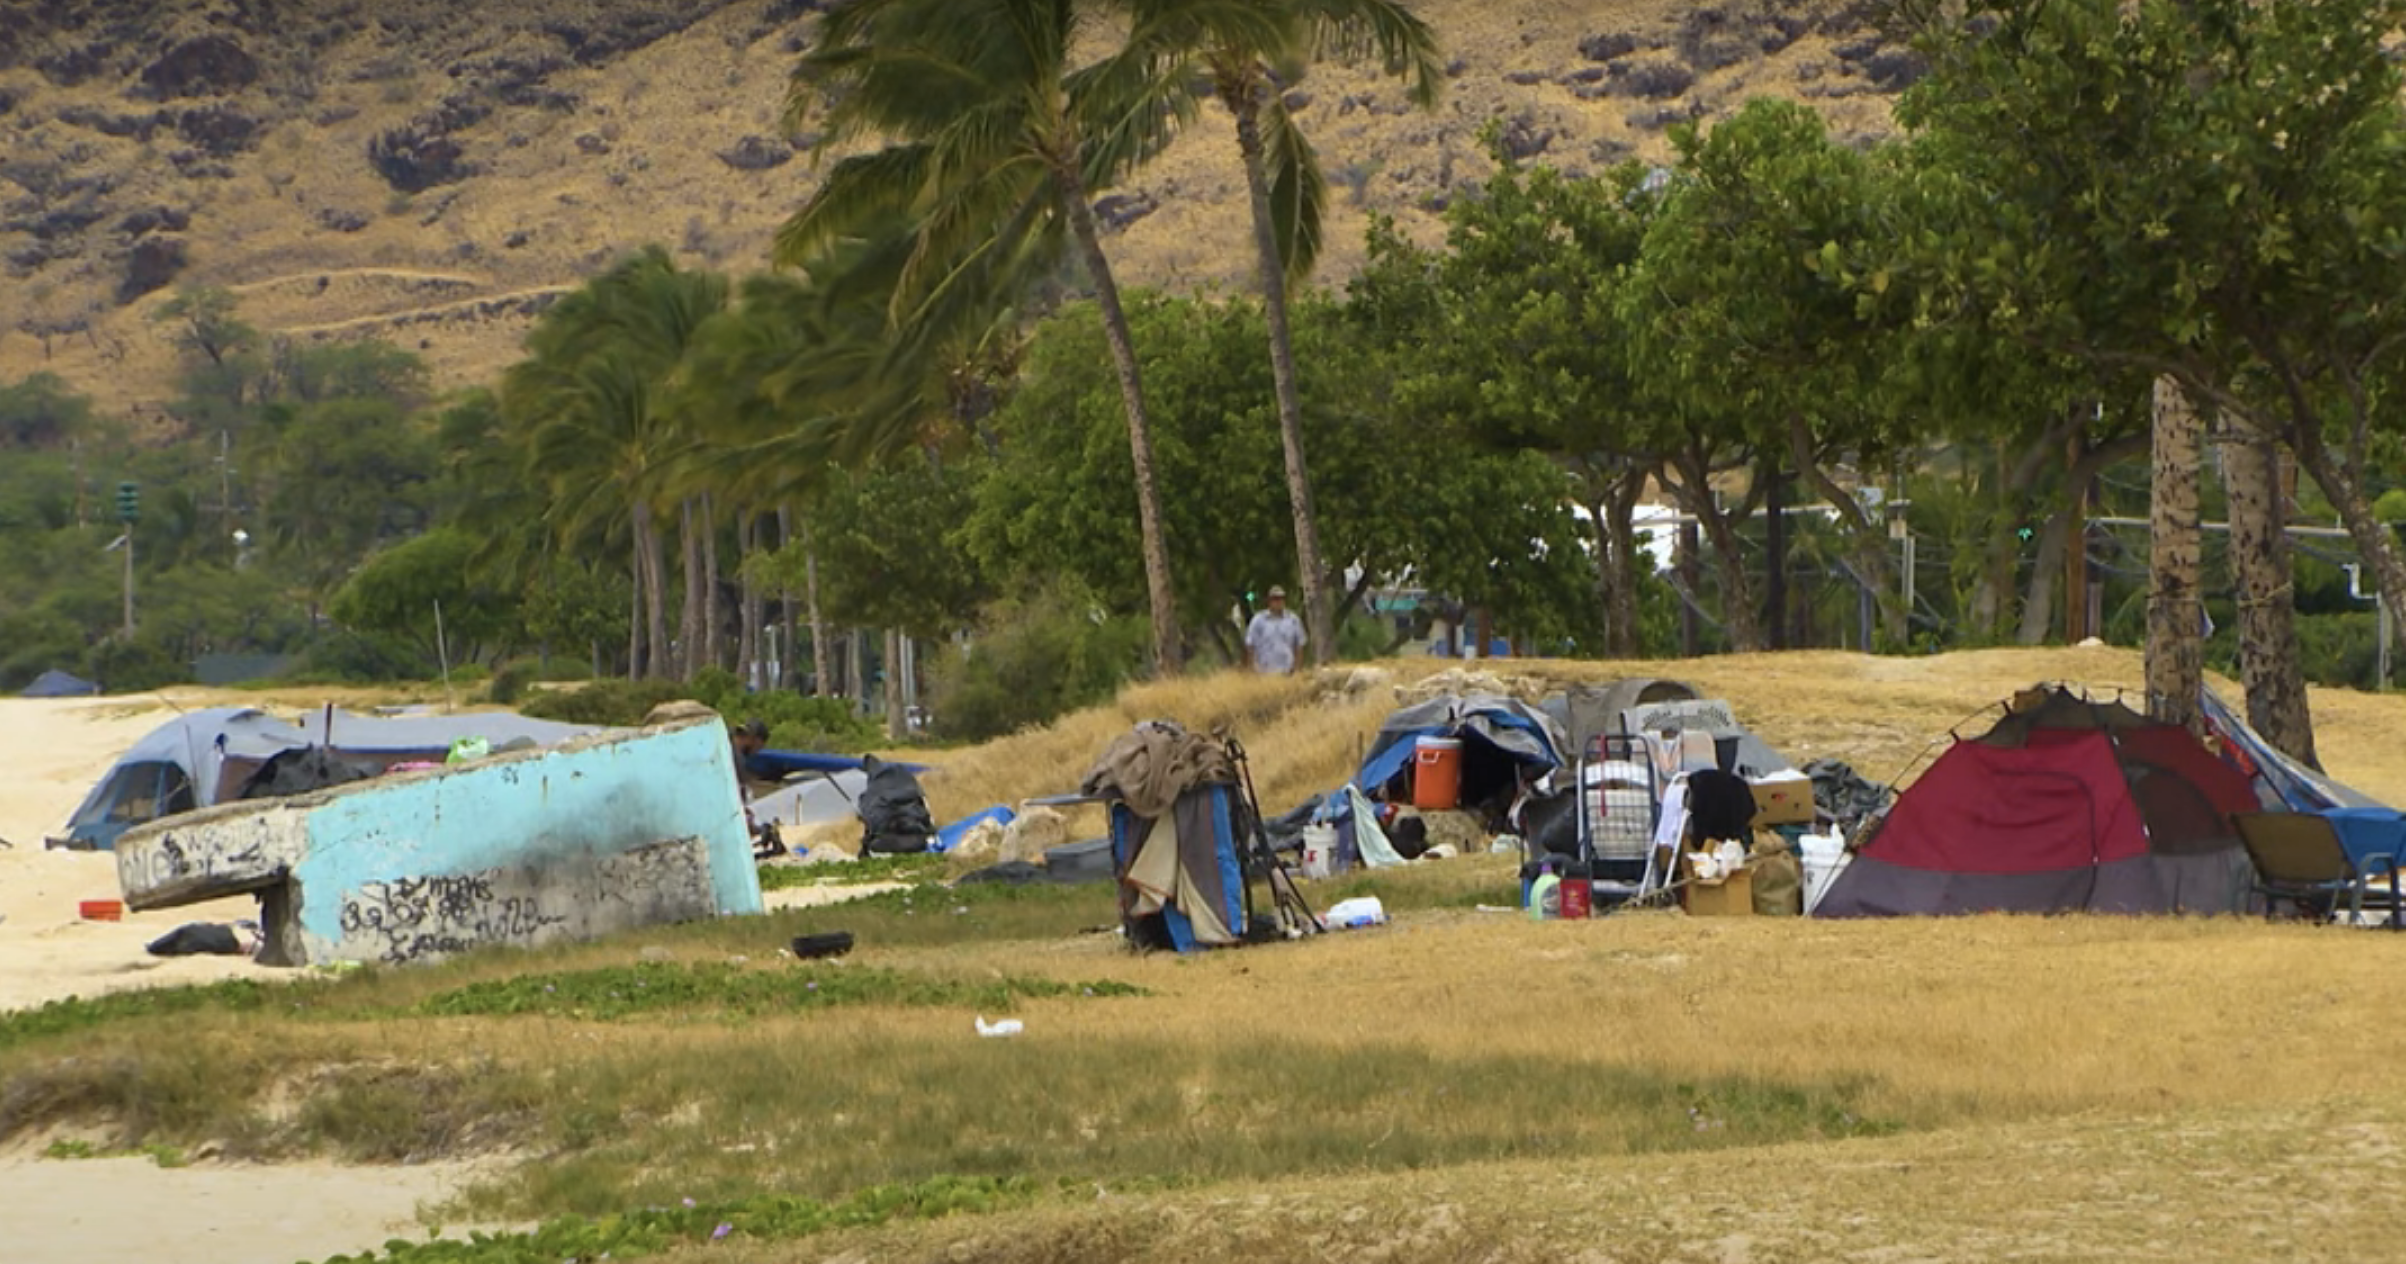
2234,1186
1882,715
2067,1088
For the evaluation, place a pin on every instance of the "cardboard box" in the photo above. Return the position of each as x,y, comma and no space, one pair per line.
1787,801
1732,896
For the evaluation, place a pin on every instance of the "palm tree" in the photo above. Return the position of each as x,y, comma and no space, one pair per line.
593,399
1252,49
997,141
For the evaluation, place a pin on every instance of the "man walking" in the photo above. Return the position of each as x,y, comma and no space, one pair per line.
1275,638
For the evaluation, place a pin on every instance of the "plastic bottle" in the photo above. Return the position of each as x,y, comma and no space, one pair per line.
1545,897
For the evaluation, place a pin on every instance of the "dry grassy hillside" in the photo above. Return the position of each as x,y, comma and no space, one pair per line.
432,173
1880,714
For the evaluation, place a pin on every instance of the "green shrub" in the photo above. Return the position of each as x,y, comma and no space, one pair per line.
615,702
795,722
130,667
1035,657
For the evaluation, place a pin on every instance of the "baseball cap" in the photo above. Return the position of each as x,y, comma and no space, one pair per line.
1277,591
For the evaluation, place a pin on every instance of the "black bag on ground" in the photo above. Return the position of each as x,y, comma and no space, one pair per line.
893,811
197,939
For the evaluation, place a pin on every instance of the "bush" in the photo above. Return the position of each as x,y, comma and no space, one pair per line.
346,657
130,667
1035,657
612,702
796,722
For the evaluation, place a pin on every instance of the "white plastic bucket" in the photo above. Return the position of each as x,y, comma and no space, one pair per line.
1823,857
1319,850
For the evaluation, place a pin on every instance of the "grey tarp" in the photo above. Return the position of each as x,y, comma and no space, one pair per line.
203,758
59,684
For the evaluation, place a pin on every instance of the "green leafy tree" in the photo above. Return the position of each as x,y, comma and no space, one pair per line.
397,593
594,402
1251,49
1511,337
998,139
1747,306
40,412
2204,190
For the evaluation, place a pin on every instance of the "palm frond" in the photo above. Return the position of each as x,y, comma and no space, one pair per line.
1298,187
1401,42
1126,110
861,195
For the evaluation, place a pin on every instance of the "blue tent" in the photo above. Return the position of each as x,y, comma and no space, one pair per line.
1500,737
59,684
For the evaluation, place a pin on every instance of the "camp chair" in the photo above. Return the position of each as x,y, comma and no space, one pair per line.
2299,859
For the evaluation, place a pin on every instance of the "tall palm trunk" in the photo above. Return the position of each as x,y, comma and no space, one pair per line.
2269,663
897,722
712,623
689,625
1162,598
789,650
653,585
1242,93
2175,623
635,608
749,616
822,677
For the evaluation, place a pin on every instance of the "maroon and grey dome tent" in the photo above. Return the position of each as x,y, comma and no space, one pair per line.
2066,805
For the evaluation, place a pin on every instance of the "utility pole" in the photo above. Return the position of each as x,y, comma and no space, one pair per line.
129,504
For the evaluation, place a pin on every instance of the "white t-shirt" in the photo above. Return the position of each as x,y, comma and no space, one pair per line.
1274,638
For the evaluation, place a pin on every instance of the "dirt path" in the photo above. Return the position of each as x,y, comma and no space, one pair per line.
69,1211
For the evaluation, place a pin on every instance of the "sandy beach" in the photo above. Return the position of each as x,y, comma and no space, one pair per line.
70,1211
55,750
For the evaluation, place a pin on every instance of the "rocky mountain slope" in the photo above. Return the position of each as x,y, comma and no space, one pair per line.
434,172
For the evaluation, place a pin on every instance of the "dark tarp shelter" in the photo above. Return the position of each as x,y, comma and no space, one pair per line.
2066,804
1504,742
59,684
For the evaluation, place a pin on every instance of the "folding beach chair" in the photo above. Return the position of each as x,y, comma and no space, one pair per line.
2301,862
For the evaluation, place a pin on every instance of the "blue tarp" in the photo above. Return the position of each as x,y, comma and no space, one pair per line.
951,835
2280,783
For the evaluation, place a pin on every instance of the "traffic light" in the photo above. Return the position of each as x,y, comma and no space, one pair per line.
129,501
